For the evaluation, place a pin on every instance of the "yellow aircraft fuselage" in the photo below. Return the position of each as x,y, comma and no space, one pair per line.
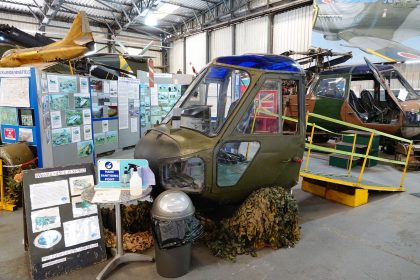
73,45
42,55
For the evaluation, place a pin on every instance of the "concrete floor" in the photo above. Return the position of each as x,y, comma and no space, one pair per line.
380,240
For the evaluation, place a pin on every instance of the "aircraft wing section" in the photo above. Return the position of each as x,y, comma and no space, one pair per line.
384,48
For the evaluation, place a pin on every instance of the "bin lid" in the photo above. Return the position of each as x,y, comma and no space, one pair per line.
172,205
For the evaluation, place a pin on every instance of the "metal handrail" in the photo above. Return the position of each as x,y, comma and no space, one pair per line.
366,156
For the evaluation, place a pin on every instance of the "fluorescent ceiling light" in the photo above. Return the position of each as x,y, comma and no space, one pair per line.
150,20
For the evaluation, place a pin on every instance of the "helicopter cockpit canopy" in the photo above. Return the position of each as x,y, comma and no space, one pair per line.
212,98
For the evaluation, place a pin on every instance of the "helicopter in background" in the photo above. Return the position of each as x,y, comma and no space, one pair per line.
375,96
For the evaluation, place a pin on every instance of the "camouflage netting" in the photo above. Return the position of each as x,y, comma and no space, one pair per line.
136,226
133,242
268,217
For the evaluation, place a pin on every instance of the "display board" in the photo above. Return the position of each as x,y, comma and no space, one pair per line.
167,95
67,118
64,233
105,114
19,118
167,89
145,113
129,108
105,135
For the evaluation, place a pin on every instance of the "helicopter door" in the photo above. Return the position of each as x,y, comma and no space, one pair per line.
380,78
330,93
262,149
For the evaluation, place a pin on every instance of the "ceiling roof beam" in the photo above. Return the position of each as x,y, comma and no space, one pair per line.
112,8
75,3
181,5
51,10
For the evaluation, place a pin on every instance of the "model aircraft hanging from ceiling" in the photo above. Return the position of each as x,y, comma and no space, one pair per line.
376,27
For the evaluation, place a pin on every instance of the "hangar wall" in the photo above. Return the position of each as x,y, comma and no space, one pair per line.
196,52
292,30
221,42
411,72
176,56
267,34
252,36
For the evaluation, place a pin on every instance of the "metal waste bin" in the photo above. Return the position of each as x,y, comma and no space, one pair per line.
174,228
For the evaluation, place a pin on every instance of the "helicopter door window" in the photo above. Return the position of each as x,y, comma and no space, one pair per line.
332,88
210,102
233,159
265,115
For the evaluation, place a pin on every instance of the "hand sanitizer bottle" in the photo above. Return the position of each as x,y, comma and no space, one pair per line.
125,179
135,183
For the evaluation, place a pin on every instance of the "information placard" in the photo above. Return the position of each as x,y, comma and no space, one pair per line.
63,232
111,172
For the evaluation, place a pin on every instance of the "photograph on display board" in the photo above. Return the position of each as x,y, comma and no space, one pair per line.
81,208
26,134
67,84
45,219
81,100
59,102
87,116
133,111
76,135
84,85
163,98
87,132
26,117
111,136
103,100
74,117
61,136
113,88
47,120
52,83
45,103
112,111
79,184
98,112
81,231
47,239
8,116
49,194
44,85
99,139
9,133
156,111
96,85
84,148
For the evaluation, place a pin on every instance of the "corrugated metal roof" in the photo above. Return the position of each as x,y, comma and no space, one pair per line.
114,13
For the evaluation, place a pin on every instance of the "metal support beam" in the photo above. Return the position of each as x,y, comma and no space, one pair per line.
76,3
208,44
270,18
52,9
185,56
180,5
234,39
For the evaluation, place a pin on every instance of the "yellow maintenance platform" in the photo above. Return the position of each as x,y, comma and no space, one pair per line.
349,189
